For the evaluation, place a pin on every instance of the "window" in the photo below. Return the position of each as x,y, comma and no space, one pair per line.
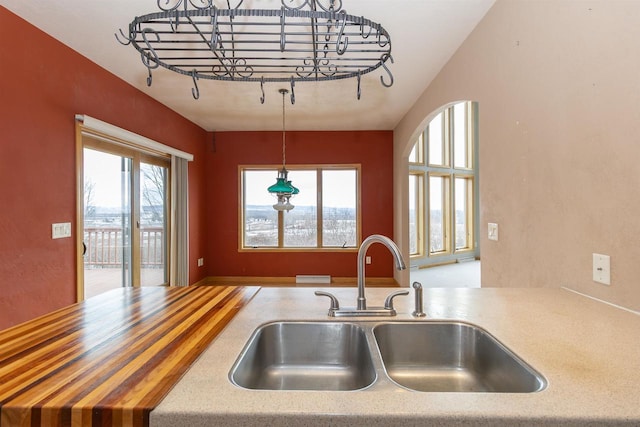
326,214
436,141
461,140
416,184
417,152
443,209
463,207
438,213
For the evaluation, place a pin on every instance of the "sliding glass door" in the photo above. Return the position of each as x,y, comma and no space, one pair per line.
125,209
153,224
107,222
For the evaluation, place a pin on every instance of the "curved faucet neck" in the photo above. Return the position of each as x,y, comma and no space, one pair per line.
389,244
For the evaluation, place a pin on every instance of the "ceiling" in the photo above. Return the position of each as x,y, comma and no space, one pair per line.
424,33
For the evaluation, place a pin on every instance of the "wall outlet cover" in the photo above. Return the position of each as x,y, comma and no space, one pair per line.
602,269
60,230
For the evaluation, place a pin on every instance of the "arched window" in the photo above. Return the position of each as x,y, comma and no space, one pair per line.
443,187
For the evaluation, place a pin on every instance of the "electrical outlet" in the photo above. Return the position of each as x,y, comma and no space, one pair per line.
368,260
60,230
200,262
602,269
492,229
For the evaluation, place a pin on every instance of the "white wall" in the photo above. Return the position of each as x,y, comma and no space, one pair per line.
558,86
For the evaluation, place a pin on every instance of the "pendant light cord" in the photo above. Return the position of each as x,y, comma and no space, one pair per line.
284,144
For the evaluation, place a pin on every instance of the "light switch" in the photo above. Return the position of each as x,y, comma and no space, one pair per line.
602,269
60,230
492,231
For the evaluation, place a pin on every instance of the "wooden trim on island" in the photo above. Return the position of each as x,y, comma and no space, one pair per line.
109,360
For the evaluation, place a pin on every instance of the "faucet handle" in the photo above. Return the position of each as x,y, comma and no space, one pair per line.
335,305
388,303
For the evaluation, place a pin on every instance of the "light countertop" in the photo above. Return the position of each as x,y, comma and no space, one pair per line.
588,351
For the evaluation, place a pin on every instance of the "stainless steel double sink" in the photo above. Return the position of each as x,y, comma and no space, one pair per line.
425,356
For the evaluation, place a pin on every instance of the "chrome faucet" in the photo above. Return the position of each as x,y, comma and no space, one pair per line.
361,303
362,252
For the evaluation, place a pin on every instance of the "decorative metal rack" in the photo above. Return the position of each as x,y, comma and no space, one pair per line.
304,40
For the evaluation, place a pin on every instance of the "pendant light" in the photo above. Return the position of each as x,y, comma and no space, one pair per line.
283,189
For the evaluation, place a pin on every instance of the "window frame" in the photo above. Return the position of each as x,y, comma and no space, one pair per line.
319,168
85,138
470,201
445,140
419,147
447,197
420,203
449,171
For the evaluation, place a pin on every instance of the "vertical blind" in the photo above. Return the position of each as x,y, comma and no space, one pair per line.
179,259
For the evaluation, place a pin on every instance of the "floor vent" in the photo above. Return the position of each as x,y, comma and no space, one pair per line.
313,279
466,259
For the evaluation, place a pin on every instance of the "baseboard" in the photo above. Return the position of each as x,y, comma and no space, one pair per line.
437,264
379,282
307,278
449,262
200,282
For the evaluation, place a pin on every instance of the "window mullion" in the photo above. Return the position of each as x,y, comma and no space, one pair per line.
135,221
451,193
448,203
280,229
320,242
470,211
471,164
446,138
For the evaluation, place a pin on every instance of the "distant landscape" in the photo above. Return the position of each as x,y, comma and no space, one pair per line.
300,227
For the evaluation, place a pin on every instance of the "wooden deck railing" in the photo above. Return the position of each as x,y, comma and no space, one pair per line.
104,247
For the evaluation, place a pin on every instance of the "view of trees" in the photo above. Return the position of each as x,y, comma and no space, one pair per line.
339,228
107,227
437,235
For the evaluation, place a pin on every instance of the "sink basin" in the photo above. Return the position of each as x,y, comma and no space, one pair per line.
452,357
426,356
305,356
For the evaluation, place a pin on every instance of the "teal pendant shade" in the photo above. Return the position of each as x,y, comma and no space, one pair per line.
294,190
281,186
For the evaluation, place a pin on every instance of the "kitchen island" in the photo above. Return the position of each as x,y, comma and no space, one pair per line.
162,357
588,351
109,360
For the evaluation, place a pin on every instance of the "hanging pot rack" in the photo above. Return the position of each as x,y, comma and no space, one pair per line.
303,40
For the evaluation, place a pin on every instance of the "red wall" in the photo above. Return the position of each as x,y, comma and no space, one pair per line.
43,84
372,149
